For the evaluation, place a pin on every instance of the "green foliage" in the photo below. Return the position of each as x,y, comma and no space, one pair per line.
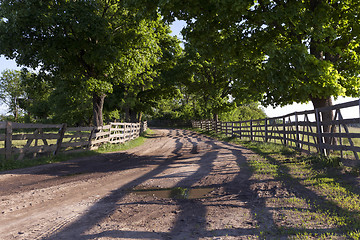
70,103
286,50
244,112
38,88
311,47
11,91
99,43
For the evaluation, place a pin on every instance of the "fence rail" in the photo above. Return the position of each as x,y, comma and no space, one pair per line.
303,130
20,140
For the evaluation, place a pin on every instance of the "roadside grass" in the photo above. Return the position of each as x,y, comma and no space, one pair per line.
125,146
319,201
12,163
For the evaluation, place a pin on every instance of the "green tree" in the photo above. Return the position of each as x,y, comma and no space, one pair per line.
100,43
308,49
244,112
222,63
208,81
137,98
37,90
312,50
11,91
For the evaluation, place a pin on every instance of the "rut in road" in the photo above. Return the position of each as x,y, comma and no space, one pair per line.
90,198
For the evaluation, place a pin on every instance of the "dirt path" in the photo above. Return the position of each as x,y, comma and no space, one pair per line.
90,198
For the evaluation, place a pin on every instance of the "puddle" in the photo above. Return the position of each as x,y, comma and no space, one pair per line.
175,193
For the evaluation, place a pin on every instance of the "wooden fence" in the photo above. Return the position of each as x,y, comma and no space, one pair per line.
20,139
303,130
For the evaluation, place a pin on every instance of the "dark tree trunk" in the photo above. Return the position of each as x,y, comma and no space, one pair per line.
133,116
140,116
127,113
326,117
16,112
216,117
98,103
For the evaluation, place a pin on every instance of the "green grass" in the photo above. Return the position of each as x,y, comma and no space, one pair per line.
12,163
321,201
128,145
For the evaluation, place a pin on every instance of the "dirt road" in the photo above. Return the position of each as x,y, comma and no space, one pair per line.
91,198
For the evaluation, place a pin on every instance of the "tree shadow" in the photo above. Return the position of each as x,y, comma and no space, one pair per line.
316,203
192,212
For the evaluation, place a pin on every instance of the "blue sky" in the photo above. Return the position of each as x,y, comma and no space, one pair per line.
270,111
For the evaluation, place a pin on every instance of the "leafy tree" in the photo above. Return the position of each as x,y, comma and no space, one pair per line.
99,42
222,62
208,81
78,110
244,112
11,91
139,97
308,49
312,52
37,89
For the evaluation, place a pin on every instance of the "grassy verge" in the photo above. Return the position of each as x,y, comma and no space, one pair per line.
128,145
15,164
314,197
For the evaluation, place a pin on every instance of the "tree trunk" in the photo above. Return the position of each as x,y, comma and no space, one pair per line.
140,116
326,117
98,103
16,112
216,117
133,116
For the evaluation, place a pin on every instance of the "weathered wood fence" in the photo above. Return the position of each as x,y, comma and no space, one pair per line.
20,139
303,130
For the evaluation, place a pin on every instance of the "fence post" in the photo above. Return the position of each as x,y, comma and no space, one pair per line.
319,132
131,131
240,130
232,129
297,131
60,139
251,133
90,137
8,139
145,126
284,131
266,130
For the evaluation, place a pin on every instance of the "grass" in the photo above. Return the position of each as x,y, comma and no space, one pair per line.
321,202
12,163
128,145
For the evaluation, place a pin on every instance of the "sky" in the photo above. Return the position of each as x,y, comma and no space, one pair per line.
270,111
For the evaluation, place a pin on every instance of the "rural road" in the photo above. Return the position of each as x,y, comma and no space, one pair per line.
93,197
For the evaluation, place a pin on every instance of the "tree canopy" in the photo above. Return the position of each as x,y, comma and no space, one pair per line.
98,42
273,51
11,91
307,50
